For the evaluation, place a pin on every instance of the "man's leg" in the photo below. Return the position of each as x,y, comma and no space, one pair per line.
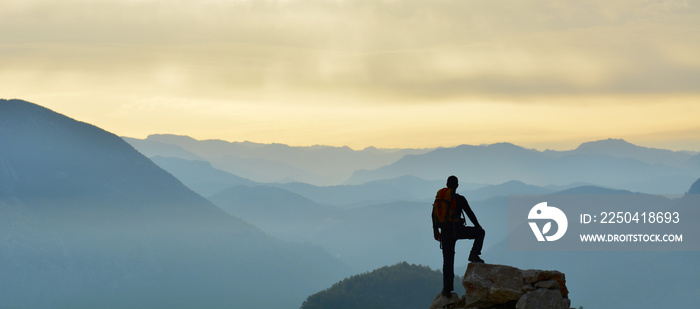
448,261
477,234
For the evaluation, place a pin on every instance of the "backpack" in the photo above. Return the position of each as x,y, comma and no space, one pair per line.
445,211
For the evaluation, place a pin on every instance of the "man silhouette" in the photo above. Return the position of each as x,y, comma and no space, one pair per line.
449,232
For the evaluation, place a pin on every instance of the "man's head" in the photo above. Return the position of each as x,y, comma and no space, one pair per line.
452,182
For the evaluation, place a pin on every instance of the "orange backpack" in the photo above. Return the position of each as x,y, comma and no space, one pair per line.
445,208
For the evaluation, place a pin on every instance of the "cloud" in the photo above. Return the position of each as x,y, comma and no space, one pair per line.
411,49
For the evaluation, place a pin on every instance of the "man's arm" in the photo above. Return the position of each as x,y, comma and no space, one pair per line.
468,211
436,231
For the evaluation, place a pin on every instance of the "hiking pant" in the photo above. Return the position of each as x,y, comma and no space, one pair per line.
449,237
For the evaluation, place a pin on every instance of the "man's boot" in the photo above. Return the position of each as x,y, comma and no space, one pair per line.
474,258
447,294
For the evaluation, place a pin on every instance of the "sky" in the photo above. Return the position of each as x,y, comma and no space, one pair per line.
394,74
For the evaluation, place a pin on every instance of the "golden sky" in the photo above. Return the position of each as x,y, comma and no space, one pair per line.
409,73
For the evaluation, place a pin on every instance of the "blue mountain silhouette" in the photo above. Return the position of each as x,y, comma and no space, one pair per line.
88,221
695,187
602,163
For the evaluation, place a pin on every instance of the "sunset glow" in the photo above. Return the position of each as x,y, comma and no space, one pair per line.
541,74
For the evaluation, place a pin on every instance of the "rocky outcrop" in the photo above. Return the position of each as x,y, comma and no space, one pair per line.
442,302
506,287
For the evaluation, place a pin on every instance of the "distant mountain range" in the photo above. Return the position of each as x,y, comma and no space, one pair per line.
318,165
86,221
329,216
380,216
601,163
612,163
498,169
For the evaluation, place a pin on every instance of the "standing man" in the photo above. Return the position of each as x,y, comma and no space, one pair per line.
449,226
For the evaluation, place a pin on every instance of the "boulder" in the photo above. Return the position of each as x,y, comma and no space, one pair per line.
501,286
442,302
536,276
542,299
489,284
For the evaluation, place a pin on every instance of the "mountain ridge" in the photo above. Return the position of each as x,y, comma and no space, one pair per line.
498,163
655,170
88,221
318,164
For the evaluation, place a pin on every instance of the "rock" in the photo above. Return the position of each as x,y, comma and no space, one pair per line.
489,284
543,299
532,276
442,302
548,284
507,287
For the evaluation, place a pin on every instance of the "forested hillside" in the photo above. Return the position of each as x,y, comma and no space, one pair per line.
403,286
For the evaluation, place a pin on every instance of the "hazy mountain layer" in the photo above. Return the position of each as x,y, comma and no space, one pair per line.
595,279
318,165
499,163
368,236
613,163
87,221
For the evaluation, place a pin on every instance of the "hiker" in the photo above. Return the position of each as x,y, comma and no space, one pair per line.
449,226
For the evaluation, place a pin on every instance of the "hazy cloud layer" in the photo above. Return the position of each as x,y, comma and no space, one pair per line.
334,71
412,48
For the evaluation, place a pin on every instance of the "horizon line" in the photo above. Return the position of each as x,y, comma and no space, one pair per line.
413,148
